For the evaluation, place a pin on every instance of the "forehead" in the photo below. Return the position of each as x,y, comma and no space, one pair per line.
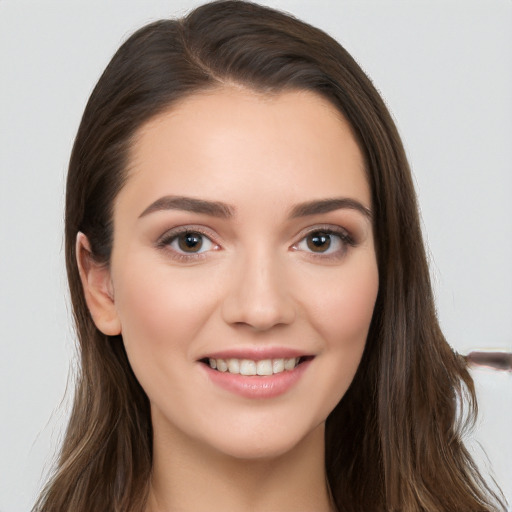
233,144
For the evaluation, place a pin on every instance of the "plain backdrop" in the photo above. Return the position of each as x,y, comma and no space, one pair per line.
445,70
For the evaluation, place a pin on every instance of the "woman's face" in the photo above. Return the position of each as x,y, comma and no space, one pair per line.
243,239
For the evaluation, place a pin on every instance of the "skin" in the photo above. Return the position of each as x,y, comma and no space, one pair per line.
255,283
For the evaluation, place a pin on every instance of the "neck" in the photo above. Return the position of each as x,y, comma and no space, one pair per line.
188,476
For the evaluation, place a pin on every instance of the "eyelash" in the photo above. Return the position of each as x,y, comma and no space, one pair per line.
345,239
166,240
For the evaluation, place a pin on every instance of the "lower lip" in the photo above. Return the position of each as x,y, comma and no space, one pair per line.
256,386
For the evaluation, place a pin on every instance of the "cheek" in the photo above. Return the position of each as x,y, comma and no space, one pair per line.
337,314
341,314
343,309
161,308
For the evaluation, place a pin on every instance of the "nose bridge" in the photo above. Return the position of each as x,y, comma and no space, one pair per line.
259,295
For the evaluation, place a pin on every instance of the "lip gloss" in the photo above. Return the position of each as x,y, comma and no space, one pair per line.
256,386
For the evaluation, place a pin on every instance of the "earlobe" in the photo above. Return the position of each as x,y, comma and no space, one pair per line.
98,290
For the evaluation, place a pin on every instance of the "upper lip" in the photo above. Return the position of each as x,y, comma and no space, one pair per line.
256,353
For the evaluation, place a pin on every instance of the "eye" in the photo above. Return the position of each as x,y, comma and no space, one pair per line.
187,242
319,241
191,242
325,242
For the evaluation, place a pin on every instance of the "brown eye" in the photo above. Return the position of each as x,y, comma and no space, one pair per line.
187,244
190,242
319,241
326,243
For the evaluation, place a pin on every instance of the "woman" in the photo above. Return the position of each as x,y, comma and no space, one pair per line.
250,287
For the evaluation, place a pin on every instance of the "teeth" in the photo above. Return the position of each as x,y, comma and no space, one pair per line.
264,367
222,366
249,367
233,365
289,364
278,365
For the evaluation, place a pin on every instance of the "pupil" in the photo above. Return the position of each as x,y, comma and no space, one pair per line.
190,242
319,242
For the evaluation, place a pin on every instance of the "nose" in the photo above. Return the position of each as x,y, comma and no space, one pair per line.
259,295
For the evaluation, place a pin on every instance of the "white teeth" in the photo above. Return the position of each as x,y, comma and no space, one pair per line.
222,365
289,364
247,367
264,367
278,365
250,367
233,366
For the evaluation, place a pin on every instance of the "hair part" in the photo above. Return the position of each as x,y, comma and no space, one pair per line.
394,442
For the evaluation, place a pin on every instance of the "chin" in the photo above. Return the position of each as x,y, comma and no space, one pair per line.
266,443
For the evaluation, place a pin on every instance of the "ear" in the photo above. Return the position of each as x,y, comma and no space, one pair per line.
98,289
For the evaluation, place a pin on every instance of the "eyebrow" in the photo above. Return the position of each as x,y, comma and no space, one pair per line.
225,211
190,204
329,205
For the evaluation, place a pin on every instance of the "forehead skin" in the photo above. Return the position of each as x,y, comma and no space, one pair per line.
253,136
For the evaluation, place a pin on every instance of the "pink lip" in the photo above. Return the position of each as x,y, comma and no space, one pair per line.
256,353
256,386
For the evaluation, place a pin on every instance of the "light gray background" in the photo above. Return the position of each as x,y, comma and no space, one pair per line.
445,70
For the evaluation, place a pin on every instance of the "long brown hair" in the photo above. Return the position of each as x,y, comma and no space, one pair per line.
393,443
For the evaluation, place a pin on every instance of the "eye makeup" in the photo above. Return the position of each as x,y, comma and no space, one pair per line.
179,240
326,242
192,243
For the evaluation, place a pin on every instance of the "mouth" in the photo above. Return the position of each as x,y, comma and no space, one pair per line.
254,368
261,373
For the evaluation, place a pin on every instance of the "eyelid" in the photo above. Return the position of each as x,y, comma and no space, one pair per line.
326,228
164,241
344,235
170,235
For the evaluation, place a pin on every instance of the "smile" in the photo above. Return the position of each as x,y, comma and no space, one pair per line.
249,367
256,378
